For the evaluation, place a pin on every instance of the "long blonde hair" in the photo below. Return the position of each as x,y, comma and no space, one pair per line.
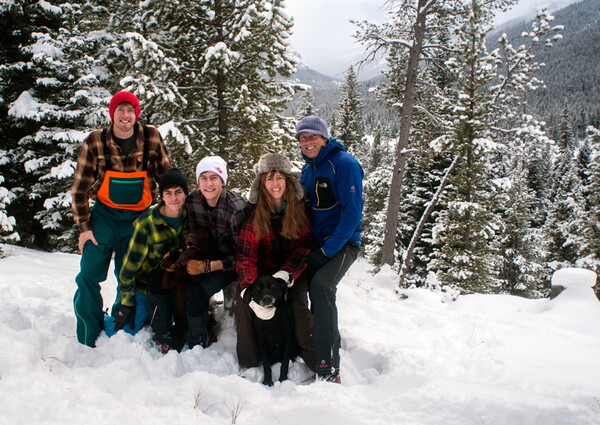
294,217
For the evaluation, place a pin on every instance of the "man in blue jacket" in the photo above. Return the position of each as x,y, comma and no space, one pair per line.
333,182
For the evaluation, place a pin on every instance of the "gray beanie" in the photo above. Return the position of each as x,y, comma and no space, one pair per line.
274,162
313,125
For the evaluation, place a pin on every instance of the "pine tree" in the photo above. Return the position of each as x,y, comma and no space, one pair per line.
7,223
521,269
538,180
564,227
376,153
148,40
463,231
591,248
236,99
56,99
376,187
350,118
307,107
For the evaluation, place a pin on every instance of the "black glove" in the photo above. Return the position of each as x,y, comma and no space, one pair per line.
125,315
315,260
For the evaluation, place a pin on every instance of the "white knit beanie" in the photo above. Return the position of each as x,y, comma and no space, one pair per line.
216,164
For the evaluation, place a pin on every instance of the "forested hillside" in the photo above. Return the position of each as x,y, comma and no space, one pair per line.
572,70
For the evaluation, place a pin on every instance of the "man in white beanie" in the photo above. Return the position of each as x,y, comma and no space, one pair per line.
221,212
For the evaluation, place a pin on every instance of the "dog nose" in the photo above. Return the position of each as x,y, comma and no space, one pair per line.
267,301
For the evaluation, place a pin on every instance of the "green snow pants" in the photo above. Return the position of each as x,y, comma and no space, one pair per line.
112,229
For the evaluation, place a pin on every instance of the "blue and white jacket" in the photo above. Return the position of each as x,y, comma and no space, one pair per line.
333,182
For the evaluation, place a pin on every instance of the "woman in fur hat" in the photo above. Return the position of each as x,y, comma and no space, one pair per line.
274,240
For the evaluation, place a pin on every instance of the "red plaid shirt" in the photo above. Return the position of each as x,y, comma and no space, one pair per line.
271,254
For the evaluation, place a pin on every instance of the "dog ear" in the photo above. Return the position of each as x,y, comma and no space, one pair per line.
247,294
282,287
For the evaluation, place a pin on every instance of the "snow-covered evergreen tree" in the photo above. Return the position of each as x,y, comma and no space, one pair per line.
521,267
377,152
464,231
56,99
350,118
591,249
7,223
234,99
565,225
376,189
307,106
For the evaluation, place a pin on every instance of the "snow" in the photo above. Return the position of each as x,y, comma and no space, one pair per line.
483,359
27,107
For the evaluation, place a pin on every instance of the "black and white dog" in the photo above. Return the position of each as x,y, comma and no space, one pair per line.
273,324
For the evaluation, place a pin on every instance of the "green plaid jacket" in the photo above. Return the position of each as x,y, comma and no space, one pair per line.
152,238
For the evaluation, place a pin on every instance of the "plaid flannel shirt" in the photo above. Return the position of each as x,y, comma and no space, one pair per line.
271,254
223,222
91,167
152,238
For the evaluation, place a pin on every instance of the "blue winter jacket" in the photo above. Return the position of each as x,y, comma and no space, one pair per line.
333,182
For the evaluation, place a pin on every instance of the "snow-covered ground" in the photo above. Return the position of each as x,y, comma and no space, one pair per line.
483,359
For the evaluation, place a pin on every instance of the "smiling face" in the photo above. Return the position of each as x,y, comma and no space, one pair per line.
123,120
311,144
211,186
275,185
174,199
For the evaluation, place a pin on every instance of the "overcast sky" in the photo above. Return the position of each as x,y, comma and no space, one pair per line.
322,32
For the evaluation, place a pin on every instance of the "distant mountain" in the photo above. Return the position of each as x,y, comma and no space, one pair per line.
306,75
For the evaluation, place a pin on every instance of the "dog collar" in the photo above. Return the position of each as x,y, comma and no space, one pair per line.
263,313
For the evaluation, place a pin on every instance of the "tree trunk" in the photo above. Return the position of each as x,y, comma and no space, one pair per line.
389,241
406,260
221,85
222,117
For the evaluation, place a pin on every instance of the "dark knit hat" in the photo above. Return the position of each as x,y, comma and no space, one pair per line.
120,97
313,125
274,162
172,177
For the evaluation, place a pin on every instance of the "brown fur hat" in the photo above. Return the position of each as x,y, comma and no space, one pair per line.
274,162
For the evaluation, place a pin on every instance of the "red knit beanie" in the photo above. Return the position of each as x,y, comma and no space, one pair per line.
120,97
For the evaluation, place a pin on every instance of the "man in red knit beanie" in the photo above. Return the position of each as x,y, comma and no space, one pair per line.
118,168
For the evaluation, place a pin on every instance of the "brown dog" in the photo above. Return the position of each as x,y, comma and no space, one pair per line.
198,245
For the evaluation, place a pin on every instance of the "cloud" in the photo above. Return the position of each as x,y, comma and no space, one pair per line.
322,31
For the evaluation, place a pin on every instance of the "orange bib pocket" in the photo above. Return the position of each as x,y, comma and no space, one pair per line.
127,191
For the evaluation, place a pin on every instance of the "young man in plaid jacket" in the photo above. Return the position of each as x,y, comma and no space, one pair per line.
221,212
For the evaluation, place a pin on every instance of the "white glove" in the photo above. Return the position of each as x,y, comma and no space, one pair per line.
285,276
